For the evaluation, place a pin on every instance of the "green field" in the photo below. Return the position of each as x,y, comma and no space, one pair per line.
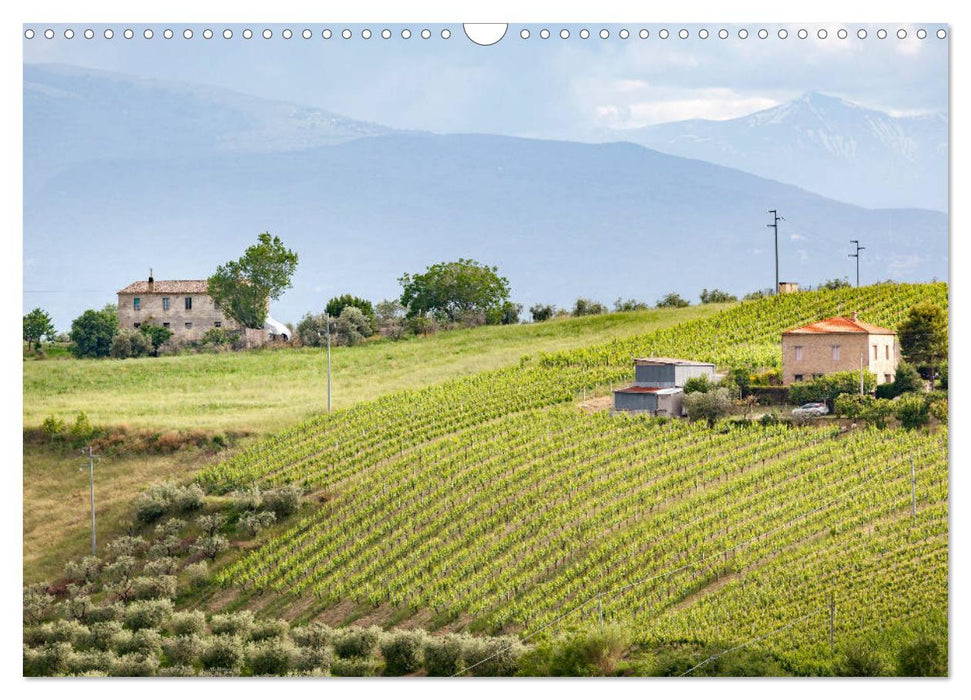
485,498
490,502
261,391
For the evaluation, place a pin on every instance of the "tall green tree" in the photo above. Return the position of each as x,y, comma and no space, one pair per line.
244,287
93,332
336,305
923,337
455,291
158,335
37,326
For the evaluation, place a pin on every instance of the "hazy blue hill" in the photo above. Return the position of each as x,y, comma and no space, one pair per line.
825,144
560,219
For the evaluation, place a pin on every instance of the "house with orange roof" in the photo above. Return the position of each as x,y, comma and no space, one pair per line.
839,344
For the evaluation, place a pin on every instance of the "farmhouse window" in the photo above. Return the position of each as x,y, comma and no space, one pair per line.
188,324
166,324
836,353
137,303
887,353
798,350
188,303
797,377
875,352
219,324
887,379
165,303
137,325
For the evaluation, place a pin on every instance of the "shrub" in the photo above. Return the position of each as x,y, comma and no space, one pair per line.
144,642
92,333
183,649
102,633
252,522
912,411
355,667
236,624
629,305
313,659
592,653
91,660
247,499
70,631
274,657
198,574
860,660
37,603
50,660
211,546
151,587
126,546
133,665
542,312
52,427
352,327
188,622
223,652
270,629
316,634
188,498
698,384
587,307
108,612
177,671
938,409
716,296
829,386
924,656
493,656
672,300
162,566
402,651
147,614
708,406
357,642
284,501
159,499
443,655
130,344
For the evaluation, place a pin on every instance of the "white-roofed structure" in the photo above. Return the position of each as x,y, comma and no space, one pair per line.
275,329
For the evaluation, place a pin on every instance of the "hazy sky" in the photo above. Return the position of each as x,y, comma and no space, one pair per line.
531,87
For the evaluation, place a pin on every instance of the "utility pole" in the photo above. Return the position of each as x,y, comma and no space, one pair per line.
328,363
89,451
857,256
775,227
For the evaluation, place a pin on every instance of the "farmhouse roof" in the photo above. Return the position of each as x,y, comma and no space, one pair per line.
648,390
667,361
839,324
166,287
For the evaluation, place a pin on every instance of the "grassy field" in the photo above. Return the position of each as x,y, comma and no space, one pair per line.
252,392
491,502
267,390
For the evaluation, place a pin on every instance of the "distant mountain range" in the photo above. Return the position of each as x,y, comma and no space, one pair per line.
123,174
824,144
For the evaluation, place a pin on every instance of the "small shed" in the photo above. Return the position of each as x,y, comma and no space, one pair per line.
666,372
659,401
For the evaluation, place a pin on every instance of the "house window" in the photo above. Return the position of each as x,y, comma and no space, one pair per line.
887,349
137,303
137,325
165,303
188,304
874,352
887,379
836,353
188,324
219,324
798,350
797,377
166,324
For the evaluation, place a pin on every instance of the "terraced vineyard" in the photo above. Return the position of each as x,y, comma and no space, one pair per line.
494,501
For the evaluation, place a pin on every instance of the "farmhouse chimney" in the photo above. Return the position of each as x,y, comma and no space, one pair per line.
151,281
853,316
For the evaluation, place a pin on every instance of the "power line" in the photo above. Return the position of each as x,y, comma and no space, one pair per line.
857,256
775,227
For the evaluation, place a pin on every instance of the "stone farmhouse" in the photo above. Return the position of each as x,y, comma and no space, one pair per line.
658,385
839,344
186,309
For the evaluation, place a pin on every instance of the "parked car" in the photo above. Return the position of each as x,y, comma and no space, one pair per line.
811,410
